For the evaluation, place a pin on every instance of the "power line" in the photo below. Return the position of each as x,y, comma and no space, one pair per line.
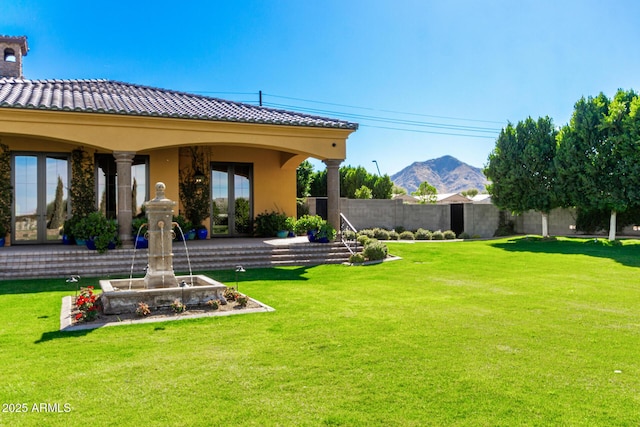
429,131
353,116
403,125
382,110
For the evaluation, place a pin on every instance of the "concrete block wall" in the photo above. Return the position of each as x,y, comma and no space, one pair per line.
430,217
479,219
561,222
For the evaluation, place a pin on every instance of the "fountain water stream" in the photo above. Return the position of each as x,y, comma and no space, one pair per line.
160,286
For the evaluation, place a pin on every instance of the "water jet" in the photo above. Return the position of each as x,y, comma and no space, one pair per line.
160,286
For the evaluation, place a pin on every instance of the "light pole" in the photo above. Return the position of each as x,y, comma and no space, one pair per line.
377,167
239,269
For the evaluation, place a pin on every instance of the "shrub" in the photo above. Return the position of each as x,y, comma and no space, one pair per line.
242,300
230,294
213,304
399,229
407,235
367,232
375,250
464,235
422,234
87,305
96,226
307,223
183,224
362,239
449,235
380,234
349,235
326,230
178,307
393,235
143,309
269,223
356,259
437,235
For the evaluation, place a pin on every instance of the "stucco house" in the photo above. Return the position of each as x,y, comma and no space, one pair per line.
139,135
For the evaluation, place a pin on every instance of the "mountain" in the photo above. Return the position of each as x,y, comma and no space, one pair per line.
447,174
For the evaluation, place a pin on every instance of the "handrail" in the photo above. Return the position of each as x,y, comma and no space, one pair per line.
348,239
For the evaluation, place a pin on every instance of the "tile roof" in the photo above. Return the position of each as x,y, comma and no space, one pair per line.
112,97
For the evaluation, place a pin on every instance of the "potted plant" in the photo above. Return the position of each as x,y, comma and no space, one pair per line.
326,233
102,232
290,225
183,226
270,224
202,232
139,229
79,228
309,225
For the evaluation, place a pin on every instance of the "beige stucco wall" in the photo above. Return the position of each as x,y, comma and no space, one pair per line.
275,151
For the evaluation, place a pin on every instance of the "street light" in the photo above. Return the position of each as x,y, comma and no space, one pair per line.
377,167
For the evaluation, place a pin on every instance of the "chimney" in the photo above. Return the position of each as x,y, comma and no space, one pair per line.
12,49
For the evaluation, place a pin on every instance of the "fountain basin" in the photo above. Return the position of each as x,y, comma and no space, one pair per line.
123,295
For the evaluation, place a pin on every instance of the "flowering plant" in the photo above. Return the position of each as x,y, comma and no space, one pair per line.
231,294
87,305
213,304
177,306
143,309
242,300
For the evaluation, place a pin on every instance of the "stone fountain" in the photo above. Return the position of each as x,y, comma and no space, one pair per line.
160,287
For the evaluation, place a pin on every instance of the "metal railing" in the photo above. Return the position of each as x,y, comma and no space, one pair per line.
348,234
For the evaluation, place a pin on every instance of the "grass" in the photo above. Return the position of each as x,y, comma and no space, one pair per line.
505,332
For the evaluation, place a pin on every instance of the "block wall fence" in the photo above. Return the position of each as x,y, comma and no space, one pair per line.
480,219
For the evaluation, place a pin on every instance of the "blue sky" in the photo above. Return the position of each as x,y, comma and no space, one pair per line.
415,74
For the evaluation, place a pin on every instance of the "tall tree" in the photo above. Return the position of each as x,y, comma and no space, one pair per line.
598,155
59,208
426,193
304,178
522,170
352,179
382,187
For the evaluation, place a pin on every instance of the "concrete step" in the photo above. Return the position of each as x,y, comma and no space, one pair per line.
63,262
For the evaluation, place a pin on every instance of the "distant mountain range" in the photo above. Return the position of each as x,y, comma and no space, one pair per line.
447,174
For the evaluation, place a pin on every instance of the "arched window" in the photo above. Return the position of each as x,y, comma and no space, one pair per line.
9,55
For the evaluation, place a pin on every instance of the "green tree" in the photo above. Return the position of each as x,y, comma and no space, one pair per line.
470,193
318,185
397,190
363,192
426,193
59,208
351,179
304,178
598,155
382,187
522,171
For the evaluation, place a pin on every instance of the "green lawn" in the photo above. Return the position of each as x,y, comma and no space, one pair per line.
505,332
